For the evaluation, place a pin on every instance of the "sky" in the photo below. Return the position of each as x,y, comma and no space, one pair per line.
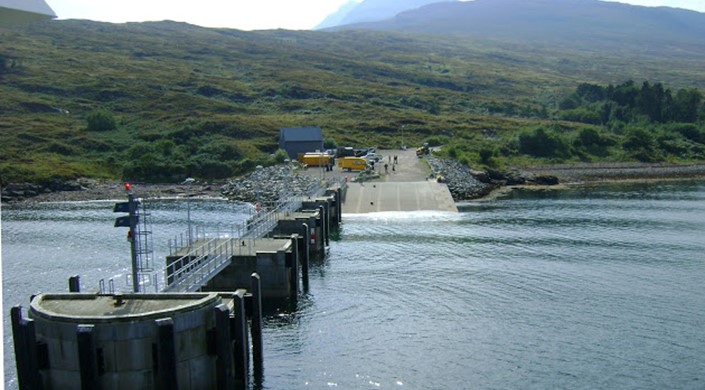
239,14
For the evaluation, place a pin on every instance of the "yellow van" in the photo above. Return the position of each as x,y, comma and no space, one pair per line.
352,163
316,159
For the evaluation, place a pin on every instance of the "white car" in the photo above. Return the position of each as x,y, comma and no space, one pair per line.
373,157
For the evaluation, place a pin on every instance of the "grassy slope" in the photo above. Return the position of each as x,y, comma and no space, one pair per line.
200,88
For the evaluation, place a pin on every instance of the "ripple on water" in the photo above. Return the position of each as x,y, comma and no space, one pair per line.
593,288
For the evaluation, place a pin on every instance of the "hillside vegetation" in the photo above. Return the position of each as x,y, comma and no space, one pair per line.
164,101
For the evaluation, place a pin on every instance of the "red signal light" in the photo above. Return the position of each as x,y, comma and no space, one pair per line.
128,187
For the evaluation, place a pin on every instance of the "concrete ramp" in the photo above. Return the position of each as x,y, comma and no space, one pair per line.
373,197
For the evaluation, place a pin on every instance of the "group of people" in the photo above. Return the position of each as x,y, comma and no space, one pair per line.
389,161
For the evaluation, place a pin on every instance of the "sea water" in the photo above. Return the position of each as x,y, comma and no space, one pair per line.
597,287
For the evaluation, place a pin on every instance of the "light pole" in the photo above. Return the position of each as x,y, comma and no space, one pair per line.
320,159
258,205
188,183
403,147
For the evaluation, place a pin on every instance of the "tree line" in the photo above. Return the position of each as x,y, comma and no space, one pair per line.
625,122
627,102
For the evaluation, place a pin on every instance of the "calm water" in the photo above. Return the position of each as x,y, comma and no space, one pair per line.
593,288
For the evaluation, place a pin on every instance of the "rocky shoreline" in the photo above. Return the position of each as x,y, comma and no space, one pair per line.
467,184
582,173
268,184
91,189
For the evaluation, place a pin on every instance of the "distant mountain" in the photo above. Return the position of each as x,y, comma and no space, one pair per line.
371,11
336,18
572,22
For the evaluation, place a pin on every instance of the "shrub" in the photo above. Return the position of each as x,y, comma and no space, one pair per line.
453,152
580,115
60,148
280,156
688,130
640,145
329,143
486,154
638,138
437,140
101,120
589,137
221,149
542,143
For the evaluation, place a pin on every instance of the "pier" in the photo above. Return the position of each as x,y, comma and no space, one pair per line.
202,329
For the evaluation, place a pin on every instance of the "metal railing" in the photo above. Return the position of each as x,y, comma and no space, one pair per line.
190,272
214,250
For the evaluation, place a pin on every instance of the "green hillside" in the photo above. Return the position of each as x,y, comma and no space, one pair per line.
163,101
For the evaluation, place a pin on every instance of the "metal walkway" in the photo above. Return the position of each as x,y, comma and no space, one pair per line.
202,255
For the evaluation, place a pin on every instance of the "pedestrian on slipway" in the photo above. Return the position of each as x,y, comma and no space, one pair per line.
395,159
386,168
389,159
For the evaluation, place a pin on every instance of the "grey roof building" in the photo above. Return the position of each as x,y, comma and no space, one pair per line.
297,140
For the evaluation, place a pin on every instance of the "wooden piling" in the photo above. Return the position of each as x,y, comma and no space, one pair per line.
166,355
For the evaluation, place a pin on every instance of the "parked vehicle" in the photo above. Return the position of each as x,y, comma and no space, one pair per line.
347,151
352,163
373,157
422,151
316,159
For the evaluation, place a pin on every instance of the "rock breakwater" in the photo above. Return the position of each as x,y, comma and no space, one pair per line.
467,184
269,184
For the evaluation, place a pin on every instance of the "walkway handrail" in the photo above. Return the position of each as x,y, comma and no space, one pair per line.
199,265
